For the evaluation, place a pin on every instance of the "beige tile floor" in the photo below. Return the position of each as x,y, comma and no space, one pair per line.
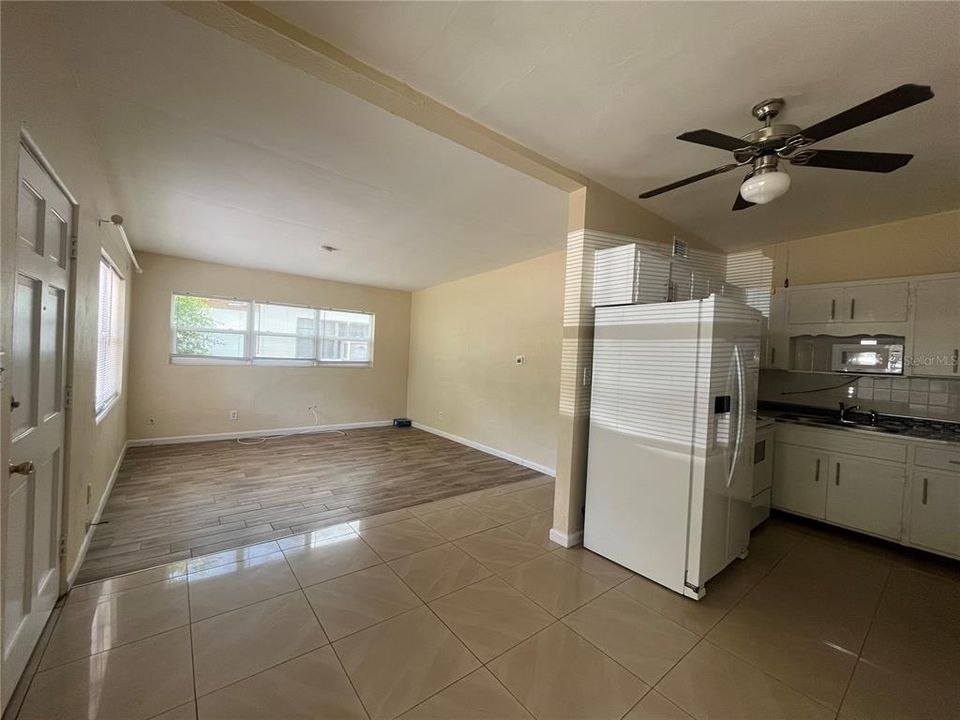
463,609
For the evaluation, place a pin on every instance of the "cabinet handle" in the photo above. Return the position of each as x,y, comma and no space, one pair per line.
773,357
816,475
925,491
838,475
956,360
954,462
853,305
833,309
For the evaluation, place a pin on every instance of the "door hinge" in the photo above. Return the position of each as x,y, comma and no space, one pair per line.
68,397
74,248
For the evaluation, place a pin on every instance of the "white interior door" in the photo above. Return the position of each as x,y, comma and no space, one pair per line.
32,485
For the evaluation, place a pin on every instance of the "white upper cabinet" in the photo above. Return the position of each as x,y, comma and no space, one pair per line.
886,302
868,303
774,342
814,305
936,328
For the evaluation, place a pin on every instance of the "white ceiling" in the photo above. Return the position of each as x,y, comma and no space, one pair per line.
221,153
604,88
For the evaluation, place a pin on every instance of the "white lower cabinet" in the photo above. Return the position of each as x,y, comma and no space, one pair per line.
800,480
935,510
900,489
866,495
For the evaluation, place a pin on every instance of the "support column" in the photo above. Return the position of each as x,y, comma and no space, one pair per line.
598,218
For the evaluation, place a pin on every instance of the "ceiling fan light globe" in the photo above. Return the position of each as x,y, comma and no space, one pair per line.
763,187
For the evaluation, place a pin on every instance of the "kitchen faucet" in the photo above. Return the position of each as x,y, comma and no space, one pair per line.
843,413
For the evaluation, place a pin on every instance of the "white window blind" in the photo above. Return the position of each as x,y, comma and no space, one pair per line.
110,314
209,329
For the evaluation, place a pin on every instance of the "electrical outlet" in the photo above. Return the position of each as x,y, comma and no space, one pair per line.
439,414
234,414
151,420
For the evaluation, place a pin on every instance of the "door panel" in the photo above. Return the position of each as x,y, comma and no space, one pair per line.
876,303
33,481
46,505
815,305
936,333
799,484
935,510
16,547
51,352
56,236
26,331
30,211
866,495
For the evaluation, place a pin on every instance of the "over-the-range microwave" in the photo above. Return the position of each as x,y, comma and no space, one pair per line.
869,357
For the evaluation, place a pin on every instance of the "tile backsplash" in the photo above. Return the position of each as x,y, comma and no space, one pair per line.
932,398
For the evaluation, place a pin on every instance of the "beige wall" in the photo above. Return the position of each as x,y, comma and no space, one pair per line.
197,399
465,336
917,246
39,95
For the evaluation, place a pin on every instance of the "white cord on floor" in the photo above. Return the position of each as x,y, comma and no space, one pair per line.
316,421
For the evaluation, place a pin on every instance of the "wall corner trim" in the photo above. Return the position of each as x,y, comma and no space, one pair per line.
488,450
566,539
88,535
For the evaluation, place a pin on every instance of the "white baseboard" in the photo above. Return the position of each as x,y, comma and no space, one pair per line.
85,545
489,450
567,540
306,430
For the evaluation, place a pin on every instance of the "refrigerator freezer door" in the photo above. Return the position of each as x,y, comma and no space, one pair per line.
641,429
722,480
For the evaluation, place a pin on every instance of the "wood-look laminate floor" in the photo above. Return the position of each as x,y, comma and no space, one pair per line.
172,502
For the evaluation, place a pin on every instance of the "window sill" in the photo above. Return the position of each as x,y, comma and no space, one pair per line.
105,410
190,360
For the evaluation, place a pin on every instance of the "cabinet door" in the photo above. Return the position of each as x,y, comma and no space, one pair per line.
935,510
775,344
814,305
936,329
798,480
866,495
763,460
886,302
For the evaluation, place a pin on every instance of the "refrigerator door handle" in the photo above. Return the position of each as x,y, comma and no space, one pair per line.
741,382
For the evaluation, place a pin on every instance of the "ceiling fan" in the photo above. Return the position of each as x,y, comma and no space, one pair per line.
765,147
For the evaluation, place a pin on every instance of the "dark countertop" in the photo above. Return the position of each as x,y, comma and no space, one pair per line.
886,425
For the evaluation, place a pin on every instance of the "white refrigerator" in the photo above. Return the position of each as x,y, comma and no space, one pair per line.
672,422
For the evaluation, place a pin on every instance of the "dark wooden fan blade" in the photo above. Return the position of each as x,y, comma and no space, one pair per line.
890,102
741,204
687,181
713,139
853,160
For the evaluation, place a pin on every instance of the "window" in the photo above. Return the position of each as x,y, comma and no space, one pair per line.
223,331
110,314
345,336
210,327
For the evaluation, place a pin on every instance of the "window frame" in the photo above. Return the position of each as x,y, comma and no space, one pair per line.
250,335
118,323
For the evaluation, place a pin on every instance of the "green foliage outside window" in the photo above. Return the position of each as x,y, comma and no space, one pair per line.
193,312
